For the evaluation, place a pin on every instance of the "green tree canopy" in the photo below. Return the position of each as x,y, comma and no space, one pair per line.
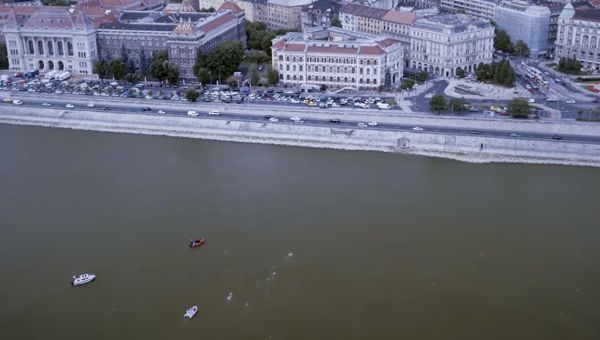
521,48
3,57
335,21
222,61
117,68
254,76
502,41
163,69
101,69
438,103
407,84
192,95
518,108
460,73
272,76
459,105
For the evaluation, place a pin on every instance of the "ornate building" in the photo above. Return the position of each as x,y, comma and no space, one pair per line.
442,44
336,57
579,36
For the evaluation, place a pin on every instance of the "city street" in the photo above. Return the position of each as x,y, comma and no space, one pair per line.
233,112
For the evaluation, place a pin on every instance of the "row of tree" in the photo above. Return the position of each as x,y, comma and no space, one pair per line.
123,68
3,57
259,38
518,107
503,43
500,73
220,63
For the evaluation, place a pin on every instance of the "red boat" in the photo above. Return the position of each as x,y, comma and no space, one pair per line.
196,243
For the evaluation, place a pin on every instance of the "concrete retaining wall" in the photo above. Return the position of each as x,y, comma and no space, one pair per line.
470,148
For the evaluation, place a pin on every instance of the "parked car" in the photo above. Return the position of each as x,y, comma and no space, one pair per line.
192,113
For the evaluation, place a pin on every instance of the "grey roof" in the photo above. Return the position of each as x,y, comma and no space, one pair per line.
174,17
139,27
454,22
588,15
363,11
135,15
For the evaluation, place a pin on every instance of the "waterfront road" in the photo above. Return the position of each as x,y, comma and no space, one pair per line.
237,113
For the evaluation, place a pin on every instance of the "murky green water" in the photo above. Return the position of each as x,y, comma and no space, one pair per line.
384,246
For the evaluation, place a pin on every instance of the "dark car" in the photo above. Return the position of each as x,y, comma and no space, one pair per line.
105,108
146,109
557,137
335,120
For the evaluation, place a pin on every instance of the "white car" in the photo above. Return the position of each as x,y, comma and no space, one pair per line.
192,113
90,105
362,125
214,113
296,119
161,111
417,128
46,104
273,119
570,101
372,123
69,106
17,102
531,100
7,100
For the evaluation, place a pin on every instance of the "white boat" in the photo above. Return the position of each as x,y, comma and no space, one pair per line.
190,312
83,279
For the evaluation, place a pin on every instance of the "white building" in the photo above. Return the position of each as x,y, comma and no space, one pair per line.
443,44
286,14
339,60
478,8
579,36
523,21
54,38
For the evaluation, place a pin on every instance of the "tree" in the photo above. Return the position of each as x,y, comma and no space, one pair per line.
459,105
203,76
257,57
222,61
254,76
143,63
521,48
192,95
323,88
502,41
569,65
422,76
131,77
117,68
101,69
518,108
272,76
460,72
438,103
3,57
407,84
124,55
163,69
335,21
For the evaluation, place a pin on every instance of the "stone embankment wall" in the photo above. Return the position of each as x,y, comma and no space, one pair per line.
470,148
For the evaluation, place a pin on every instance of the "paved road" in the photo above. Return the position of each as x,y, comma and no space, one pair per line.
233,113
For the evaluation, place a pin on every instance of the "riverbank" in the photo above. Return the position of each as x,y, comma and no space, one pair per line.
473,148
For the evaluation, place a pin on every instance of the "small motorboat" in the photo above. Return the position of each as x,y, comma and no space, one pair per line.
190,312
196,243
83,279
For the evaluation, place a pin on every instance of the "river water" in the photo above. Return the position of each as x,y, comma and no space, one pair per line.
313,244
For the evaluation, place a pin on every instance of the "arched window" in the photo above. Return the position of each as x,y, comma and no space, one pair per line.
70,48
280,58
40,47
287,67
31,51
300,68
59,46
293,67
50,48
368,71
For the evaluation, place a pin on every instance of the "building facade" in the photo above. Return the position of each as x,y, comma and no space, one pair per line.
54,38
181,34
442,44
478,8
527,22
285,14
337,60
579,36
256,10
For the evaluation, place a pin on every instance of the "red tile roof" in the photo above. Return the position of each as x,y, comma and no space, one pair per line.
215,23
332,49
294,47
370,50
228,5
399,17
387,42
